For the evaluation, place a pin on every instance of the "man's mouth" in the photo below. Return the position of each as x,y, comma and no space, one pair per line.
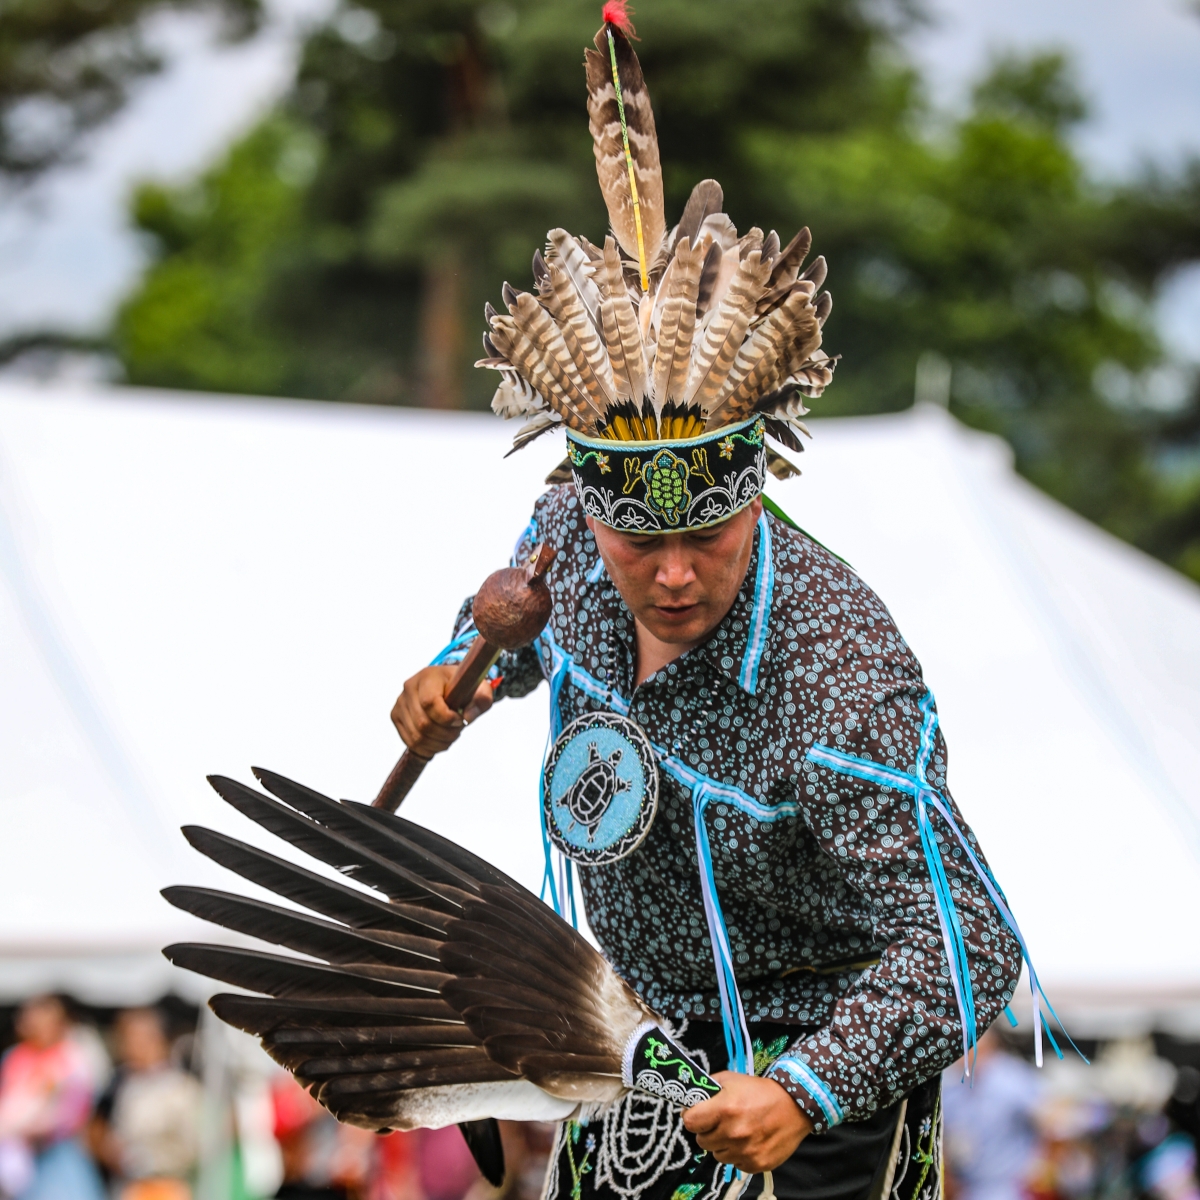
677,613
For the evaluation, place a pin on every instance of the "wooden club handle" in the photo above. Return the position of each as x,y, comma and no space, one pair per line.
470,674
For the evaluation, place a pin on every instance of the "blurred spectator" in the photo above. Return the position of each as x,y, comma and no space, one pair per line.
1183,1108
527,1147
322,1160
46,1089
395,1168
146,1128
991,1129
1168,1172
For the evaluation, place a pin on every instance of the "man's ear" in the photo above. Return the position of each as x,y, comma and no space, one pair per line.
756,507
590,522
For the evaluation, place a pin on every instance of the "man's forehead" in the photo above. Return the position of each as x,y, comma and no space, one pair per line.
675,534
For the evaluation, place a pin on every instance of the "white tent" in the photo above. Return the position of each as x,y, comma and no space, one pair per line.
194,584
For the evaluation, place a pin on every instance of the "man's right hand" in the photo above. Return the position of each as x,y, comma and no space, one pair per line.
422,717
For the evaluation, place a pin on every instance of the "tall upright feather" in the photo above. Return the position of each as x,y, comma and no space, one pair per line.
611,167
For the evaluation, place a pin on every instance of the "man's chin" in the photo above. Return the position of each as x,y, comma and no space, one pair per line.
678,627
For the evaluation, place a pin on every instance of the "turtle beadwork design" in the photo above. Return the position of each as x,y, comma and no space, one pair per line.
599,788
588,798
666,485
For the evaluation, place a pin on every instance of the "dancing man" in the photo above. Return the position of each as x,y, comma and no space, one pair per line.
748,782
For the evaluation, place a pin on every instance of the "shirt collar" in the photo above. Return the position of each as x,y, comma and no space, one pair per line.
737,645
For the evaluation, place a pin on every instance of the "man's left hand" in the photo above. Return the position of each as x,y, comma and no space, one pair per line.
752,1123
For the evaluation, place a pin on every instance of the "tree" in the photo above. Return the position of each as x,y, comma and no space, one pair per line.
453,134
67,65
428,145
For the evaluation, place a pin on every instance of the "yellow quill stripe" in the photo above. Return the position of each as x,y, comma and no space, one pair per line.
637,208
622,428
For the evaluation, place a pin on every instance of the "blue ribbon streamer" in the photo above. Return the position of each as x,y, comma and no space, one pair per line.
562,892
738,1044
929,800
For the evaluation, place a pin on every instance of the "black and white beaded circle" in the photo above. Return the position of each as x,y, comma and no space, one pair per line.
600,788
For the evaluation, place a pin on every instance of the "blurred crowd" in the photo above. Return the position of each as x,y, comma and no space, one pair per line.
1124,1127
123,1116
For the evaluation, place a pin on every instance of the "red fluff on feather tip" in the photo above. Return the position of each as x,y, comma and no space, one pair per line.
617,14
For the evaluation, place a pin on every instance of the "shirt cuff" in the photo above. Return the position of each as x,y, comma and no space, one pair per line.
809,1090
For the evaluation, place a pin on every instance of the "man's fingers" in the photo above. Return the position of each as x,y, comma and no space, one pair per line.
437,712
431,697
480,702
703,1118
425,722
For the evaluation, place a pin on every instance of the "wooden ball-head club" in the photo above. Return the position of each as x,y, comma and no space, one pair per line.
510,610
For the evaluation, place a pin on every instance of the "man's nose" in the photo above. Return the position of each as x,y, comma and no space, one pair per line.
674,568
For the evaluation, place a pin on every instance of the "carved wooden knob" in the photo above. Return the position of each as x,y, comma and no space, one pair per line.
513,605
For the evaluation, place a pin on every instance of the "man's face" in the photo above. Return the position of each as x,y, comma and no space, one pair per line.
680,585
42,1022
141,1043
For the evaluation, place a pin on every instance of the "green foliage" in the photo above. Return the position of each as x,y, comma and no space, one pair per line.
1040,89
445,136
66,66
197,314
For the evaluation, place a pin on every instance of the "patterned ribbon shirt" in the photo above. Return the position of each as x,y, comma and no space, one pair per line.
822,877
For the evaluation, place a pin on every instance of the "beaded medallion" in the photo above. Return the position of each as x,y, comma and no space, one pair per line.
600,789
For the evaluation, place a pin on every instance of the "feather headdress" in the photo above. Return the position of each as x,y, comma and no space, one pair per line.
658,335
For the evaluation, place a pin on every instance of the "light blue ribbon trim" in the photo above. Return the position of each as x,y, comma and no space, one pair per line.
916,785
705,791
804,1075
456,650
528,536
562,668
562,898
764,591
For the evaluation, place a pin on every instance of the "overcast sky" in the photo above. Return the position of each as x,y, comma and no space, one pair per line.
66,254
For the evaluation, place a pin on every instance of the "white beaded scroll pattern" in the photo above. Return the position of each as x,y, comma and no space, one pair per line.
640,1140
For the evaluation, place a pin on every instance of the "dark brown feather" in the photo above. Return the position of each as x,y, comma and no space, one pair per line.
787,266
373,1039
816,271
353,822
427,1063
781,431
328,896
330,847
275,975
300,932
470,865
260,1015
706,199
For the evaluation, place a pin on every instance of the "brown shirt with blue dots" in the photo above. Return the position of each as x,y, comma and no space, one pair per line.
828,901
